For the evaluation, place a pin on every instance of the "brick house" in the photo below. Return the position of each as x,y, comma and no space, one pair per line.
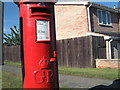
83,18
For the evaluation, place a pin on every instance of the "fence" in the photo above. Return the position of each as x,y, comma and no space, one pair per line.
75,52
12,53
78,52
81,52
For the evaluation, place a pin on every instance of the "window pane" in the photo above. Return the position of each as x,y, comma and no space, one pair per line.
108,18
104,17
99,16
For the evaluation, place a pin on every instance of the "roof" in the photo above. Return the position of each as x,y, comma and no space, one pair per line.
87,3
115,34
72,2
104,7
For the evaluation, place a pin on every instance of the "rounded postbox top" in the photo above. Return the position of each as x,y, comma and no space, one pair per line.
20,1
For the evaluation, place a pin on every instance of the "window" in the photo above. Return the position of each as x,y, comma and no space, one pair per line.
104,17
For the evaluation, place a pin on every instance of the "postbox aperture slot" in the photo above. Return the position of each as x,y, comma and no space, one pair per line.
40,10
42,30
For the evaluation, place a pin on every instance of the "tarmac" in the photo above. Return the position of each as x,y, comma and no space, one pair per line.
68,81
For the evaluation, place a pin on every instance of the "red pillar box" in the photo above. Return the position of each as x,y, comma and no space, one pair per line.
38,44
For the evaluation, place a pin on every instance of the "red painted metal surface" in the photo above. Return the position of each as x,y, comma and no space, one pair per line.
40,63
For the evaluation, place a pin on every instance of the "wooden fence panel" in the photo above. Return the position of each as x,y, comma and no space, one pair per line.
78,52
99,47
74,52
12,53
70,53
81,52
59,50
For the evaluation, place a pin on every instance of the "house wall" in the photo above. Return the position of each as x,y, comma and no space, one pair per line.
71,21
95,25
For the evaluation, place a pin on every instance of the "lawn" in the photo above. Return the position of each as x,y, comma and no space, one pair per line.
105,73
10,63
10,80
0,79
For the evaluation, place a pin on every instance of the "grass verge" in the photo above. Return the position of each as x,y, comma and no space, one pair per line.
0,79
103,73
10,63
10,80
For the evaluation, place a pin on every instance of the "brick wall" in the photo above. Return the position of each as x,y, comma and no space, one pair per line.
97,27
71,21
104,63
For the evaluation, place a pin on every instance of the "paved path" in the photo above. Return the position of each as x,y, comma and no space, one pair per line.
68,81
80,82
12,69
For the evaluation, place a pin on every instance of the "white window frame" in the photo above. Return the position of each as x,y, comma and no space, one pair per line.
107,24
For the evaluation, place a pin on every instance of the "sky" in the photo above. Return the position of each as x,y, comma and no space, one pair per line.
11,12
11,16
